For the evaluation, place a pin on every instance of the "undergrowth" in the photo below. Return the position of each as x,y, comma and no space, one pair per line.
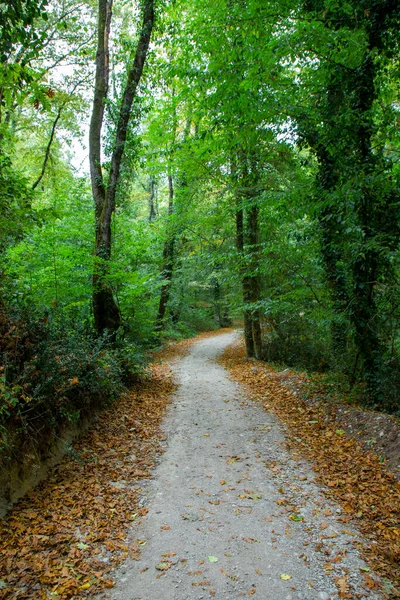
55,372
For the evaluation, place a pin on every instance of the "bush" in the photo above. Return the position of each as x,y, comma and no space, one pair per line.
56,372
297,341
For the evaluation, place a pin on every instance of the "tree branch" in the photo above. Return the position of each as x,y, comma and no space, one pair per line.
52,134
47,154
134,76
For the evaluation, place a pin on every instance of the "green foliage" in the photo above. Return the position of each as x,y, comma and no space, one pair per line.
289,108
15,203
56,371
17,24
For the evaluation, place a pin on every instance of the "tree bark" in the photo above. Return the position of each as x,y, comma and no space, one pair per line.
168,264
248,324
152,195
353,93
105,310
254,279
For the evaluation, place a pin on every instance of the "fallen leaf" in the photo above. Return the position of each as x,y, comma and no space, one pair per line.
82,546
164,566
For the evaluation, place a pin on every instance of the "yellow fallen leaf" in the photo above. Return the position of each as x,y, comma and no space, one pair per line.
163,566
85,586
286,577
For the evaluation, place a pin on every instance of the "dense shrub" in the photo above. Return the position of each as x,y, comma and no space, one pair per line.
54,372
292,340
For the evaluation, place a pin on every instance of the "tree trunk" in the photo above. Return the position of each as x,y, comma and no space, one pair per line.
152,195
330,219
248,327
353,93
332,233
217,301
168,264
254,279
105,310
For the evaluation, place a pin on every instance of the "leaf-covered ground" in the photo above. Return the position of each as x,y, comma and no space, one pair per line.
368,493
64,537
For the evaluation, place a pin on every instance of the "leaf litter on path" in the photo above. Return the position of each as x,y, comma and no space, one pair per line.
367,492
65,536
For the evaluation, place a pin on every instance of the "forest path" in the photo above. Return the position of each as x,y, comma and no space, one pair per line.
219,522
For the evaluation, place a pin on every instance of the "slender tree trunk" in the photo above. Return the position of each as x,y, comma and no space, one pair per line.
246,286
105,310
152,205
168,264
169,246
217,301
254,279
247,243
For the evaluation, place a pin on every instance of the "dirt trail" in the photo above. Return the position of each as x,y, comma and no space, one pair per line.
220,524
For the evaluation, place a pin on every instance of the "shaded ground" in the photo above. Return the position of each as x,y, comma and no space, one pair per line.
376,431
63,538
231,513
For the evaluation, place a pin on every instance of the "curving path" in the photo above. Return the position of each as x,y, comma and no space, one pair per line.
222,517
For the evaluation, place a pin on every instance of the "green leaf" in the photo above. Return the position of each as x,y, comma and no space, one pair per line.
82,546
163,566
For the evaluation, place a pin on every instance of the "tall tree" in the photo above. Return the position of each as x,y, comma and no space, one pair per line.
105,310
357,192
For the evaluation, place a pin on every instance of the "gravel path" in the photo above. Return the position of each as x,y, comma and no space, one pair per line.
231,513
